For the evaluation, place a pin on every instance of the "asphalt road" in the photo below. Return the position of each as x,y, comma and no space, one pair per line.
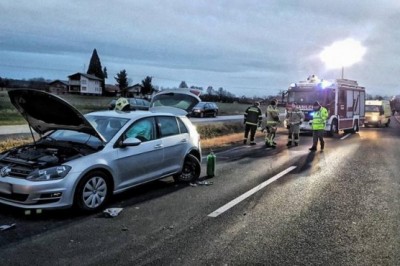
337,207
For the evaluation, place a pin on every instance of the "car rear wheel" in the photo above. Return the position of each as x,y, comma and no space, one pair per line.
190,171
93,192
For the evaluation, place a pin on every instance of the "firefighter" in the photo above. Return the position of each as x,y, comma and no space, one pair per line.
294,118
252,120
122,104
272,115
318,125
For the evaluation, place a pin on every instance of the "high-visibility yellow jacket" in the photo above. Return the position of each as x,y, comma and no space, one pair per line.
272,114
319,119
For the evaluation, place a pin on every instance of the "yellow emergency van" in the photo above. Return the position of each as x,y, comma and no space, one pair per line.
377,113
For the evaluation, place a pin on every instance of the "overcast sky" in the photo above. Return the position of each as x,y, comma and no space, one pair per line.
248,47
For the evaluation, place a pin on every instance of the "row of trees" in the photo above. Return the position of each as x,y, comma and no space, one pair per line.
122,80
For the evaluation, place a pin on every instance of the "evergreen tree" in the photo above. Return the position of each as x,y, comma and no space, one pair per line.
147,86
96,69
105,73
122,80
183,85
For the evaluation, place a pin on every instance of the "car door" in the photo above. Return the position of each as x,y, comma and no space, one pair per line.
174,142
144,162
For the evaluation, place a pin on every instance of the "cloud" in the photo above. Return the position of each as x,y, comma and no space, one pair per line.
249,47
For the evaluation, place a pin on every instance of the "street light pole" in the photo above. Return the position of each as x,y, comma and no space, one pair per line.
342,71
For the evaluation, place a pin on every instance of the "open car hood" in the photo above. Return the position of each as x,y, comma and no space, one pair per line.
45,112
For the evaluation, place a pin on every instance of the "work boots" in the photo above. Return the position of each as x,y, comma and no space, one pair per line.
322,146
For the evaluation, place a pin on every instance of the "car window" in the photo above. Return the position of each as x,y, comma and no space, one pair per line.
132,102
143,129
182,126
168,126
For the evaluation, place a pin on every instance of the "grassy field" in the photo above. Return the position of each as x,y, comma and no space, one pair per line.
85,104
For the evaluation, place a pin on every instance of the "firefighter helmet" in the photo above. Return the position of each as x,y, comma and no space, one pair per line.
121,103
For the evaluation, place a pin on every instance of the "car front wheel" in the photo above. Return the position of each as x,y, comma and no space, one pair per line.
93,192
190,171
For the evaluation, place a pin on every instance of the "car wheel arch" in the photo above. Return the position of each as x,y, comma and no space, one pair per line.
97,171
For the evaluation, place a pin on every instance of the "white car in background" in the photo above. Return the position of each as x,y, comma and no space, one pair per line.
184,99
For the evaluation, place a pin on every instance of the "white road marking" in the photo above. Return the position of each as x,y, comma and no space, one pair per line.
250,192
345,136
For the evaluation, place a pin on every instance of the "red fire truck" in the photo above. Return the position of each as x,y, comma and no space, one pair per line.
344,99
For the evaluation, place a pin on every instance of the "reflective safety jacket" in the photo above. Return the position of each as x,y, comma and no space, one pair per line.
295,116
319,119
253,116
272,114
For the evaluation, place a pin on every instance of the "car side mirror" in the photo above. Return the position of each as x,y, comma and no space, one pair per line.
129,142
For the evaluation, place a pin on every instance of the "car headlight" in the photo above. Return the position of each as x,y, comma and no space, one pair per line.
52,173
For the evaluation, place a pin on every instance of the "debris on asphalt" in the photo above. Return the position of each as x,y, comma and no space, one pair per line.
204,183
6,227
201,183
112,212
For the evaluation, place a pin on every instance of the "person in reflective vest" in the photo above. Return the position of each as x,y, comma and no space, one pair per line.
318,126
252,120
272,115
294,118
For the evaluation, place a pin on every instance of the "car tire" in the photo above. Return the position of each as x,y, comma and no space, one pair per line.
92,192
215,114
354,129
190,171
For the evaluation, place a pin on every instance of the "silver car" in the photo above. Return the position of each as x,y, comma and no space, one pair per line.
82,160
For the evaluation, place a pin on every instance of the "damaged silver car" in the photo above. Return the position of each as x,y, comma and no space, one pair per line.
82,160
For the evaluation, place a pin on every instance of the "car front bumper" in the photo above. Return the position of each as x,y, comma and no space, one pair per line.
22,193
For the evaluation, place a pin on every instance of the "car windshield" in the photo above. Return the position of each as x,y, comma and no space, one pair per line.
106,126
310,96
371,108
